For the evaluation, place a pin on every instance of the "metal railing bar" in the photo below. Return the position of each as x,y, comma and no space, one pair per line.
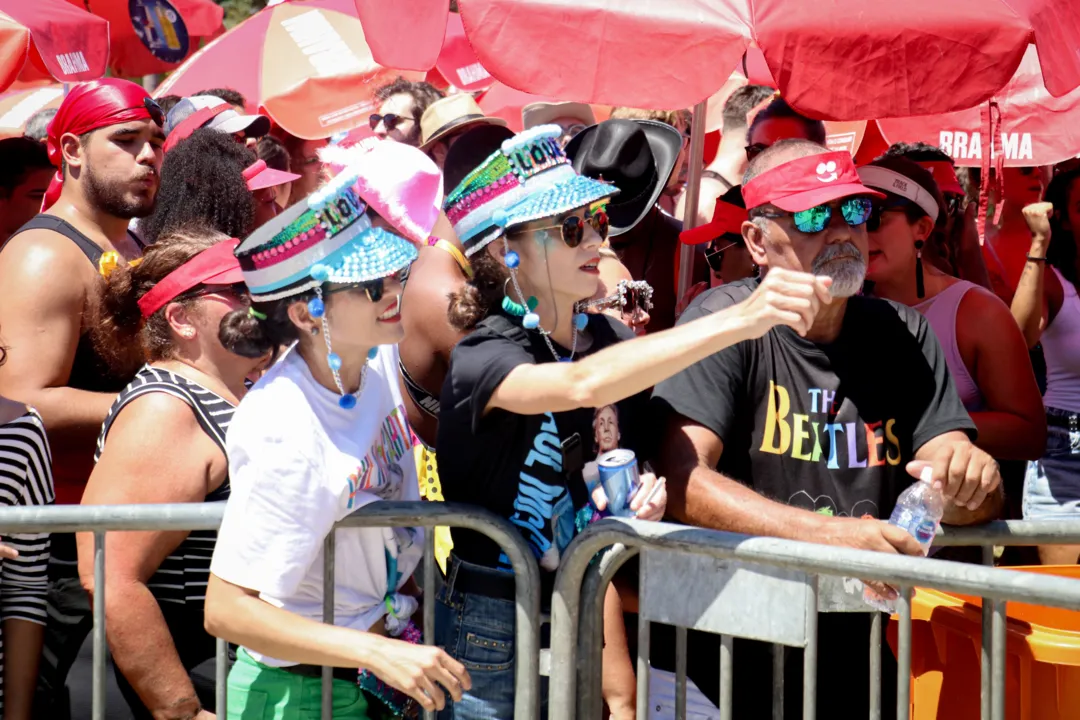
810,653
806,557
644,638
329,560
680,672
727,674
997,662
875,666
429,598
221,678
985,679
778,681
97,708
591,633
1010,532
903,655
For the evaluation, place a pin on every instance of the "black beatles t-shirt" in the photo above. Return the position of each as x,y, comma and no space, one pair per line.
827,428
514,465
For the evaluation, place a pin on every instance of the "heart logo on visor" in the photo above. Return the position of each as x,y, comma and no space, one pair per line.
826,172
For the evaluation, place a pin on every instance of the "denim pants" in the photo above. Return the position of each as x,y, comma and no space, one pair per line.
478,632
1052,484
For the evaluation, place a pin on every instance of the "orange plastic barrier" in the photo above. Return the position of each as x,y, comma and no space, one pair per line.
1042,667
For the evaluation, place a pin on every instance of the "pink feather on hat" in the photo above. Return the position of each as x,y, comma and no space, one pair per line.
401,183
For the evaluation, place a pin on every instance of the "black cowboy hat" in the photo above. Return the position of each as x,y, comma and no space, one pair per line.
472,148
636,155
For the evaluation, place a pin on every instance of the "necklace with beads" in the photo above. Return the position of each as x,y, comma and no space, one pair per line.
530,320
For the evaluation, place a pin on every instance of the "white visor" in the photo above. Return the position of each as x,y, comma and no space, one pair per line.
890,181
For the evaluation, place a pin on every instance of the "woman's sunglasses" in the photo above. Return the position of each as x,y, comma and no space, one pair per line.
855,210
390,120
375,289
715,256
573,227
752,151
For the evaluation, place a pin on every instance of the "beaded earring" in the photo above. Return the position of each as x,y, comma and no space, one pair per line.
317,309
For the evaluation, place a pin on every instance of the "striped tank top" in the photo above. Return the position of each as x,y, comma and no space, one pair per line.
181,579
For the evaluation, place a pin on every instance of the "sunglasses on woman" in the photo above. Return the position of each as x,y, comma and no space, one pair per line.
752,151
715,256
573,227
855,210
391,120
375,289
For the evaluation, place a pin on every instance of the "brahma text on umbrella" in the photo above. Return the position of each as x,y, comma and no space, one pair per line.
72,62
968,146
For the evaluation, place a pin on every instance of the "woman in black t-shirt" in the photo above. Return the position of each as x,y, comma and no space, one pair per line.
536,389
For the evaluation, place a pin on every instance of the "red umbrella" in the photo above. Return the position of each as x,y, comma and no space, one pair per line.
1036,128
457,63
154,36
46,39
843,59
307,63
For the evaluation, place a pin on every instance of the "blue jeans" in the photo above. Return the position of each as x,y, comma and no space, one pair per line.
1052,484
478,631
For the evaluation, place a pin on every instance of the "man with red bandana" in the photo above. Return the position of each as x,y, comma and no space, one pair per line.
105,142
814,437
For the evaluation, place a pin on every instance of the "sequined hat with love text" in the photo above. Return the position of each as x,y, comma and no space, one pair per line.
529,177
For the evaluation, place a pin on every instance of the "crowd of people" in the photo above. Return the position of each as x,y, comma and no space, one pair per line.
196,306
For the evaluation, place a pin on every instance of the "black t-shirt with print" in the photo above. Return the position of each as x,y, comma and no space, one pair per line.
515,465
827,427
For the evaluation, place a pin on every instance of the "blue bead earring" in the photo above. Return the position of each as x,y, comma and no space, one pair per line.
373,353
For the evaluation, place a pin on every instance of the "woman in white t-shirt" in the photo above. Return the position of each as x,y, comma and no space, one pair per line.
320,435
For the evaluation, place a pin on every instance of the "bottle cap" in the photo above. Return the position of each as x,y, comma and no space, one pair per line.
927,474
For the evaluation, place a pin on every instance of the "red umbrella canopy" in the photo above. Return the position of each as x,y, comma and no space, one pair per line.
1035,129
841,60
17,106
457,61
46,39
307,63
154,36
507,103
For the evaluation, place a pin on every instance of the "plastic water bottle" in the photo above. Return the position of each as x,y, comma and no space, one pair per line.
918,511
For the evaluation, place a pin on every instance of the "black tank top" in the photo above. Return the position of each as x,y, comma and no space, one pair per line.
88,370
181,578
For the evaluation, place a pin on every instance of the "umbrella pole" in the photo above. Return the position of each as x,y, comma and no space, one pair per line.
693,191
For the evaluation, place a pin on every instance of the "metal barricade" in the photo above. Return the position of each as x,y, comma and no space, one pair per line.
100,519
577,607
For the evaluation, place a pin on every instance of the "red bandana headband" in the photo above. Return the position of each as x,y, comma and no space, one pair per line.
217,265
806,182
193,122
88,107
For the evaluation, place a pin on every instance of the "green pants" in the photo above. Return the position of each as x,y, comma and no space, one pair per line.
261,692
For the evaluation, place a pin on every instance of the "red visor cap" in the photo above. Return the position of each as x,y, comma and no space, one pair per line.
726,218
807,182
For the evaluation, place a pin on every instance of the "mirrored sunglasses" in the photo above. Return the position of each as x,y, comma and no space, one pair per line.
855,210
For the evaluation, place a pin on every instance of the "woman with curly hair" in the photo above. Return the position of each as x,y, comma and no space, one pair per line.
163,441
211,180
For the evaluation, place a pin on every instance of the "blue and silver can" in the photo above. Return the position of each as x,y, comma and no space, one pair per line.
620,478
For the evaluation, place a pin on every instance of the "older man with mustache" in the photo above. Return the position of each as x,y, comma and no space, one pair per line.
814,437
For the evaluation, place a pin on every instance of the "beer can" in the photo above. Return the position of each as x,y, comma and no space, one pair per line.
620,478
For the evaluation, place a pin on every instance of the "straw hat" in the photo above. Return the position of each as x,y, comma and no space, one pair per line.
450,114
